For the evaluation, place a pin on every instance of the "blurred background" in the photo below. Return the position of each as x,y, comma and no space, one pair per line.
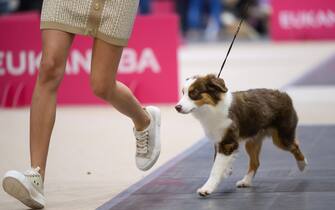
200,20
283,44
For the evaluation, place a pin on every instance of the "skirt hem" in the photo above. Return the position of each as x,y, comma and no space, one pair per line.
82,31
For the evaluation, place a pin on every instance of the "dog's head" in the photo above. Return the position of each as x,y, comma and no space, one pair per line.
200,91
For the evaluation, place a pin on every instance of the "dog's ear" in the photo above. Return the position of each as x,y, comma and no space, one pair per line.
216,83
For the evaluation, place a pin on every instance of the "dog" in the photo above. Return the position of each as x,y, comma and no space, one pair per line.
228,118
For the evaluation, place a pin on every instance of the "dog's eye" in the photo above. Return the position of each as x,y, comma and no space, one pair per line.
195,94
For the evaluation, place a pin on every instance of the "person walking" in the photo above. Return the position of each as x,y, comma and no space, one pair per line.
110,24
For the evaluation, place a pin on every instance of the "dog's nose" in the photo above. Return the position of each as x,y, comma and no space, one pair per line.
178,108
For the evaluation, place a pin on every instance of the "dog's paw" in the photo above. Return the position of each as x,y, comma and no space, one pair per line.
243,183
204,191
302,164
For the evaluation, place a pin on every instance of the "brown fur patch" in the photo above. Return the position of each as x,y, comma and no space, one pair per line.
229,142
293,148
255,111
253,148
205,99
277,141
207,90
261,109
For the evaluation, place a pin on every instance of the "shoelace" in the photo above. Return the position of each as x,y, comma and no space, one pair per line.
34,176
142,143
32,172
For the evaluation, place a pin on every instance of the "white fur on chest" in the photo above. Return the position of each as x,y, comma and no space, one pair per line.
215,119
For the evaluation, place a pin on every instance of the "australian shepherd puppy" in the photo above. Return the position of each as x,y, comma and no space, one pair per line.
231,117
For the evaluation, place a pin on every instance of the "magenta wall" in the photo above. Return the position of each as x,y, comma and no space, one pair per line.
148,65
303,20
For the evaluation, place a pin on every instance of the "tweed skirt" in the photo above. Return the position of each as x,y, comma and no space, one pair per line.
109,20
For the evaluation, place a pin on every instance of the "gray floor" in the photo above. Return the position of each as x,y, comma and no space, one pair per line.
322,74
277,185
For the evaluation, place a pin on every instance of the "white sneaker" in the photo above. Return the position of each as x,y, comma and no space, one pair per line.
27,187
148,145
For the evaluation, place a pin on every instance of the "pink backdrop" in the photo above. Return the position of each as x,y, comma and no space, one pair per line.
303,19
148,65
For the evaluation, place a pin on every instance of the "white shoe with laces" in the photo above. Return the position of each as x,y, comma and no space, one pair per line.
27,187
148,145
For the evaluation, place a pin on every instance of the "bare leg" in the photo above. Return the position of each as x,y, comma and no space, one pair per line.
105,62
56,45
253,148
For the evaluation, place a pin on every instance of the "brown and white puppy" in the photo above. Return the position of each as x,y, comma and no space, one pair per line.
230,117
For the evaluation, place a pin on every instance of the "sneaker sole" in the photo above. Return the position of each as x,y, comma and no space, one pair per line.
14,184
147,167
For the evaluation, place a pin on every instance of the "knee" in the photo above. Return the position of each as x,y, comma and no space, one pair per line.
51,73
103,90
